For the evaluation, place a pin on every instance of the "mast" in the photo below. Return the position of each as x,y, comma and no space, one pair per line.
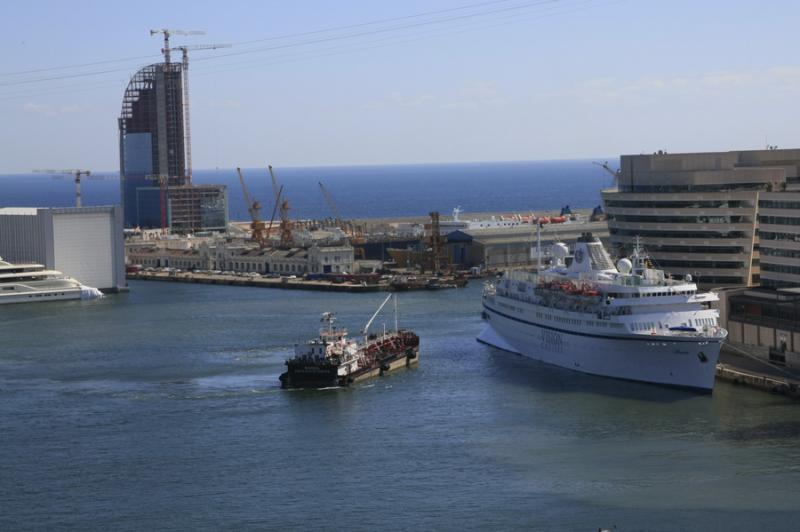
395,314
538,247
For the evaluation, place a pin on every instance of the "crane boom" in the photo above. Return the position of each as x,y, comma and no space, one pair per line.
331,204
254,208
604,166
251,206
366,327
274,210
287,240
73,172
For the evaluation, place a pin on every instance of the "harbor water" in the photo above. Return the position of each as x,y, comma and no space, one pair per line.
161,409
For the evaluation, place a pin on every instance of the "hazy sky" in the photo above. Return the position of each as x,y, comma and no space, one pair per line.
502,80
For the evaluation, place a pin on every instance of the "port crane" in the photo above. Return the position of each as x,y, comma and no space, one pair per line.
332,205
77,175
187,130
616,175
287,240
254,208
274,210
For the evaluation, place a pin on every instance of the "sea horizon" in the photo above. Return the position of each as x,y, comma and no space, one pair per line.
362,191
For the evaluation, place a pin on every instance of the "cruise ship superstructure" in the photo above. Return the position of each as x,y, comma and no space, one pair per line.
27,283
628,321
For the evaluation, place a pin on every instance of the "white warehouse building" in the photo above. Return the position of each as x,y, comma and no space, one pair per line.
85,243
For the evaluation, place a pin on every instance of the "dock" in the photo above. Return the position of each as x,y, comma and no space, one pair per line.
743,369
299,283
260,282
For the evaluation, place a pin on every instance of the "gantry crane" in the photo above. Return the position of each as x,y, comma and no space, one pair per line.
76,173
287,240
187,130
254,208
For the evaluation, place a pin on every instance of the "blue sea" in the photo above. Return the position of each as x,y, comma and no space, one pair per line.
362,191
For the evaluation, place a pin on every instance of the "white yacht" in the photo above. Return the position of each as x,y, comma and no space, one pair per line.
26,283
627,321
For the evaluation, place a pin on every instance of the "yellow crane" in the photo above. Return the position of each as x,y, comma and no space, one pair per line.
287,240
254,208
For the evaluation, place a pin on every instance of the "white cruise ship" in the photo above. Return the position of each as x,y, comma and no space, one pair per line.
27,283
627,321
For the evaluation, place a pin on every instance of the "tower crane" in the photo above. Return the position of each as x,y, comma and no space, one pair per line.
166,32
287,240
187,130
254,208
615,175
76,173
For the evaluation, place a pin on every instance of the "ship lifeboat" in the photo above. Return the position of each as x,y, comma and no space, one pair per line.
558,219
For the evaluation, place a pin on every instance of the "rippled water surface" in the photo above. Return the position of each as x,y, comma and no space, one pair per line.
160,409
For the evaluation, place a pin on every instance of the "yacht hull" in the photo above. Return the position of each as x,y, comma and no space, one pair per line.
41,295
687,363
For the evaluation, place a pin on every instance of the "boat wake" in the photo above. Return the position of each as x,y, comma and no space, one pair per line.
89,292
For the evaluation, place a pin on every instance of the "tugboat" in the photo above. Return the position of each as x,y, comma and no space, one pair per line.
334,360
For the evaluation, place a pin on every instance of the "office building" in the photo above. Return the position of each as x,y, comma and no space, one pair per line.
697,213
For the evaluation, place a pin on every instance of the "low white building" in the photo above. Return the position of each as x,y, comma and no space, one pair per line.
241,257
85,243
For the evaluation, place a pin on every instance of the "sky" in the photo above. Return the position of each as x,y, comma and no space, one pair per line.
318,82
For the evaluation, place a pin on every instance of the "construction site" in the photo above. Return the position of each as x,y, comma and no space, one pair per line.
155,147
174,226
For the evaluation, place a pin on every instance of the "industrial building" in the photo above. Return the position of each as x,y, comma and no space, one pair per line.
697,213
155,155
497,247
85,243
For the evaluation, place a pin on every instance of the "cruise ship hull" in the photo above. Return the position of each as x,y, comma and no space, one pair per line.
685,363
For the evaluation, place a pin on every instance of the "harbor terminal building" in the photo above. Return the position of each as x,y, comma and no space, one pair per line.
698,214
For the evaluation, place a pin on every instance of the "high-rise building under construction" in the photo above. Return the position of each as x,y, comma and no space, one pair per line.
156,189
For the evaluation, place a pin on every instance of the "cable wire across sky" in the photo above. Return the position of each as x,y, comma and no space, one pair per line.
504,11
